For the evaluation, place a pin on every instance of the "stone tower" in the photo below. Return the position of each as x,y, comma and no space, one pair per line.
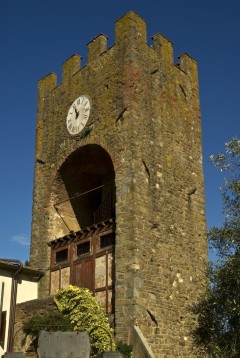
118,194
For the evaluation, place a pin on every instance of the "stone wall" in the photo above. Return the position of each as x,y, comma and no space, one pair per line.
145,115
24,311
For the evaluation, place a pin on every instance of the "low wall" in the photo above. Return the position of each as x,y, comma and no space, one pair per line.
24,311
141,348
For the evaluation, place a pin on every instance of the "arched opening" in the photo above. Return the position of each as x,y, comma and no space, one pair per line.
82,224
84,190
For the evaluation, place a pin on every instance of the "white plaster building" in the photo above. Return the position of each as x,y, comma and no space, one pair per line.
17,284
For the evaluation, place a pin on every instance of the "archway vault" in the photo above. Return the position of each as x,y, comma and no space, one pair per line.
83,191
82,214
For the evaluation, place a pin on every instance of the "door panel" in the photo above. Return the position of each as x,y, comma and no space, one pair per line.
84,274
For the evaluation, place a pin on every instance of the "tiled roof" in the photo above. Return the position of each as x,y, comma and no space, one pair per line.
11,265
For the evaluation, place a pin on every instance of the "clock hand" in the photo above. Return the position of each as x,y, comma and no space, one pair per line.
77,112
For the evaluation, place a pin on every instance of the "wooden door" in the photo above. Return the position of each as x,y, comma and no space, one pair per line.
85,274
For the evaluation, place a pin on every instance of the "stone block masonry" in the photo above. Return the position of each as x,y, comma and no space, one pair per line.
145,120
24,311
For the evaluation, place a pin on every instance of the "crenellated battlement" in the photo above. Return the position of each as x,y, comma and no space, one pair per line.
97,47
70,67
130,29
163,47
130,33
187,63
47,84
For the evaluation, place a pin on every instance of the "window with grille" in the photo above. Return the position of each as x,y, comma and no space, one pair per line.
107,240
61,256
83,249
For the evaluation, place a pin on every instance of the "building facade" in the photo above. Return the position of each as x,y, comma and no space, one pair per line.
118,194
17,284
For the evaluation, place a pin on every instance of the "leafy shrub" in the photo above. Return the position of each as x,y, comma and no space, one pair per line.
54,321
86,314
125,349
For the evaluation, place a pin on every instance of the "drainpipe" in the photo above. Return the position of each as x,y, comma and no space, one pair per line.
13,302
1,303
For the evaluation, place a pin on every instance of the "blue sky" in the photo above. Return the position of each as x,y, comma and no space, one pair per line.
36,37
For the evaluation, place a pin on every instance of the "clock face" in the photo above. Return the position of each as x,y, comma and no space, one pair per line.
78,115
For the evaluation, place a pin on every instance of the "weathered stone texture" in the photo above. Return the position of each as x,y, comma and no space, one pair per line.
24,311
145,114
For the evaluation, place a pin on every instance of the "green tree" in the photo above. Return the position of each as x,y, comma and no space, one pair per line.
85,314
218,326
